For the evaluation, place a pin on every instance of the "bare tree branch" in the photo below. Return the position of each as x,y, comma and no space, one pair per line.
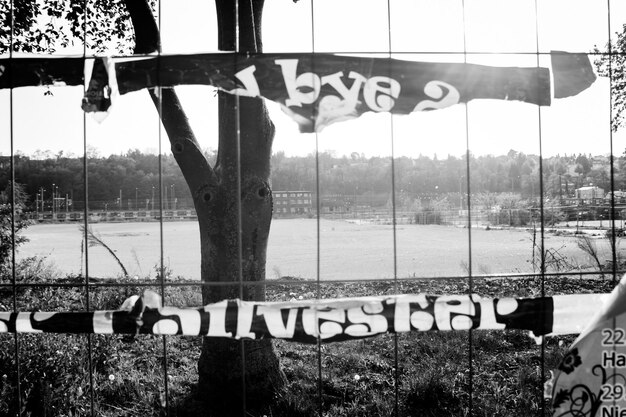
184,145
94,239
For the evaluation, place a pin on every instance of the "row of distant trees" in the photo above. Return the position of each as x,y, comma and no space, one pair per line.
135,176
514,172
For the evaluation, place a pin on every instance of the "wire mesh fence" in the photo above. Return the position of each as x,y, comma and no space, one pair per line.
563,215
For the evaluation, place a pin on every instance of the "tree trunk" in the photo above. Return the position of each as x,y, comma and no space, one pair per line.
221,360
233,194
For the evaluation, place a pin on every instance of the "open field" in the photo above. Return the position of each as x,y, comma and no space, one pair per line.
501,373
347,250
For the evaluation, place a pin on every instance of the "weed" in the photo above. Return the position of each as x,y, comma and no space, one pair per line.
94,239
588,245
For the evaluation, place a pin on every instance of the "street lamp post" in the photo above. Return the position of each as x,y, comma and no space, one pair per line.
41,190
173,204
461,193
356,204
152,200
136,207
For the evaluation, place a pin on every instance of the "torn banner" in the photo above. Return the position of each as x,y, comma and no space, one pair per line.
331,320
316,90
591,379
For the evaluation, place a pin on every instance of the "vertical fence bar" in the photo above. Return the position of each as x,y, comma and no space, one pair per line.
238,203
16,341
86,224
161,254
317,279
470,290
542,268
318,206
611,156
394,226
611,168
161,239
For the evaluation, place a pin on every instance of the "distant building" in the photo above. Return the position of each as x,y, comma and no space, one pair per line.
292,203
336,204
589,193
619,196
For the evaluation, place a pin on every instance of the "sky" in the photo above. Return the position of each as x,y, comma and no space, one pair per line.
493,32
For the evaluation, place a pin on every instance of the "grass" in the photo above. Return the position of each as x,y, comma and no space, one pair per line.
434,374
358,377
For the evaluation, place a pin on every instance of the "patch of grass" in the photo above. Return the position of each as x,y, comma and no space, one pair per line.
358,377
433,368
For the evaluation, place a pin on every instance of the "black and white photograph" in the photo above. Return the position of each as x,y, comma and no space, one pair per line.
313,208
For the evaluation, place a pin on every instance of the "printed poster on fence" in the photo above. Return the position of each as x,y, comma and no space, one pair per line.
591,379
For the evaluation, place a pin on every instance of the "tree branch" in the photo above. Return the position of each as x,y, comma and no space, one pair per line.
147,39
186,149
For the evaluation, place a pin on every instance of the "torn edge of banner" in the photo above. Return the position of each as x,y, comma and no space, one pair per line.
330,320
101,90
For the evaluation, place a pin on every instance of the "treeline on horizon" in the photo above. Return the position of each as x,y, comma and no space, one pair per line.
135,176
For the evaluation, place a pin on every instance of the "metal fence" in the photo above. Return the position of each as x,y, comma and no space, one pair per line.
465,373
